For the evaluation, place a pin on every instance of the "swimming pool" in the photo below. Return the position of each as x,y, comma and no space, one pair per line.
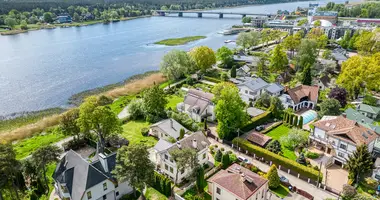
309,116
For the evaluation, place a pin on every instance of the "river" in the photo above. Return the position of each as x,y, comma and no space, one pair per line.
42,69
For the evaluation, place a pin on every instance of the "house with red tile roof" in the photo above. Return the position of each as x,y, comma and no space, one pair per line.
302,96
237,183
338,137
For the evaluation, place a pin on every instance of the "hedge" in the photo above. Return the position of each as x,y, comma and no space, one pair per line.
273,126
277,159
162,184
215,80
256,121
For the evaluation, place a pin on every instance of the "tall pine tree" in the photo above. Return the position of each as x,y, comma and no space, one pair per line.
306,76
359,163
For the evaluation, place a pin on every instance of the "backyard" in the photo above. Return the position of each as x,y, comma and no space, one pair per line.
276,134
132,132
173,100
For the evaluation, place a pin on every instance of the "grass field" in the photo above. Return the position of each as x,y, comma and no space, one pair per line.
27,146
276,134
281,191
179,41
153,194
118,105
132,132
173,100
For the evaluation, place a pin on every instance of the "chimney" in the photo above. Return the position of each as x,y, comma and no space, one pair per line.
171,123
362,120
195,144
103,161
178,144
344,115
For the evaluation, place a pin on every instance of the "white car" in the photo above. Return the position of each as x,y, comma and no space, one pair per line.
242,159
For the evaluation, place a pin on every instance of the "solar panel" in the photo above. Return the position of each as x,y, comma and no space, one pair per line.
365,136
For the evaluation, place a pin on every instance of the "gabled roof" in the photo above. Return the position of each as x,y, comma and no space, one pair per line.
245,69
254,84
162,145
357,116
274,88
239,181
187,142
284,76
369,109
301,91
347,130
258,138
198,100
80,175
170,127
325,80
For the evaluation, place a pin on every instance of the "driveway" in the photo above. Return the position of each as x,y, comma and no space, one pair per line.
318,194
336,177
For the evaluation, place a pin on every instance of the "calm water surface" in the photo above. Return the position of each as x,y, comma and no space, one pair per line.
42,69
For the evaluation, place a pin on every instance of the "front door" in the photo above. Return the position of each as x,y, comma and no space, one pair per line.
328,150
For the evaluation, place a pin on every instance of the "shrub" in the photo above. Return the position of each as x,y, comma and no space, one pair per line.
277,159
205,166
222,149
273,178
256,121
226,161
135,109
255,169
215,80
274,146
316,167
211,148
74,144
311,155
370,182
218,156
301,159
371,192
116,141
229,152
172,140
348,192
233,158
144,131
271,127
224,77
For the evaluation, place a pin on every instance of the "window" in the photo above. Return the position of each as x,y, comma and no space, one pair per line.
171,160
218,190
104,186
117,193
343,146
166,167
246,91
104,197
204,155
166,157
89,195
171,169
340,154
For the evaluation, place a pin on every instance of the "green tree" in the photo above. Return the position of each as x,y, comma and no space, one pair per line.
229,112
218,88
295,138
11,22
366,43
274,146
48,17
302,22
185,159
306,75
344,42
276,107
264,101
278,59
76,17
364,13
233,72
317,23
248,39
23,25
291,43
359,163
349,192
68,123
300,123
218,155
262,69
176,64
203,56
200,182
136,109
301,159
327,54
99,120
181,133
307,53
226,160
43,157
9,169
225,55
154,101
370,100
246,20
133,165
329,107
273,178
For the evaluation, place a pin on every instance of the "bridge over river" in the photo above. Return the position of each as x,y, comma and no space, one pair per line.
221,14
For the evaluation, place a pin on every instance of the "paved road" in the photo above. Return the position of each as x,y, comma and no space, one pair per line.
318,194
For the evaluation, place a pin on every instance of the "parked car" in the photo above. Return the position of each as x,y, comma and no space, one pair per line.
284,179
242,159
260,128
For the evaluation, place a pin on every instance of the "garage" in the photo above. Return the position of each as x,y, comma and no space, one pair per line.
337,162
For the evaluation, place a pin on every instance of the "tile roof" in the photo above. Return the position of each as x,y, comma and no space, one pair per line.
258,138
347,130
170,126
187,142
239,181
369,109
198,100
255,84
80,175
301,91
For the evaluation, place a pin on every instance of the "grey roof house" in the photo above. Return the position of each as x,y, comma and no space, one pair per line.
274,89
243,71
167,128
198,105
369,111
252,88
76,178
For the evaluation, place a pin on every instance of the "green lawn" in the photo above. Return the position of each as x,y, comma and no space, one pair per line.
179,41
132,132
192,192
281,191
118,105
173,100
152,194
276,134
27,146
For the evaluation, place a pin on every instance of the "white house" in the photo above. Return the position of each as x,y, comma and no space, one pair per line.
252,88
198,105
237,183
167,165
339,137
77,179
302,96
376,170
167,128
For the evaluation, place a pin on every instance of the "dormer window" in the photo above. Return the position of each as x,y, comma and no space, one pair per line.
89,195
104,186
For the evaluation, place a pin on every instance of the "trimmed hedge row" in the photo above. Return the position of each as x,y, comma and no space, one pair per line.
277,159
162,184
273,126
256,121
215,80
